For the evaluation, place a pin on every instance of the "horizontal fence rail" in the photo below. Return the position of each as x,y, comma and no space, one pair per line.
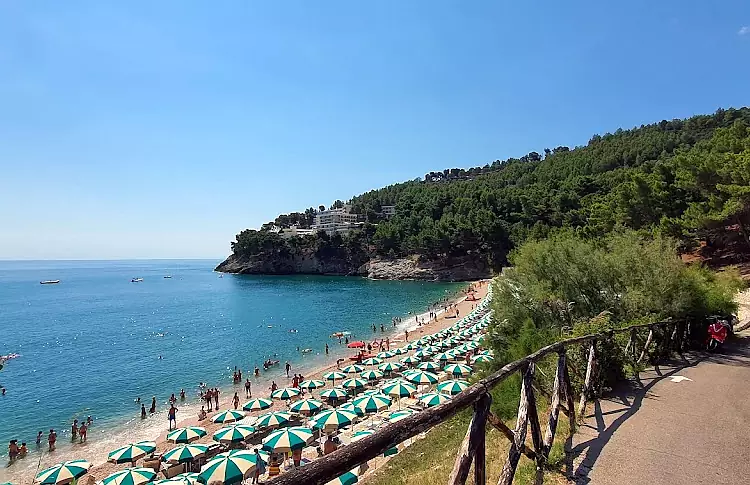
477,396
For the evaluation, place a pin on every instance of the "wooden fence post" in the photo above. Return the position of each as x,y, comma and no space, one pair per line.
557,388
536,429
514,454
587,380
569,400
472,448
645,347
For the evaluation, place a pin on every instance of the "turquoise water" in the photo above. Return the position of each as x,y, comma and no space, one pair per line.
94,342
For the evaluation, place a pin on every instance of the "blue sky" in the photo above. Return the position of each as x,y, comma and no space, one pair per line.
161,129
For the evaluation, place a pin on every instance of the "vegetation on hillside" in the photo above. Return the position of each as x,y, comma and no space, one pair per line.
675,178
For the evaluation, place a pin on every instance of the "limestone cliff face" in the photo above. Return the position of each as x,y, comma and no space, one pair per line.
463,268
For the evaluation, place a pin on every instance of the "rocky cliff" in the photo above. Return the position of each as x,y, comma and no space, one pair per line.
308,262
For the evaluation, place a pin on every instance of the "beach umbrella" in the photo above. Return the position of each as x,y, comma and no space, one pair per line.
265,456
312,384
471,345
482,358
228,416
399,389
186,435
452,387
306,406
184,453
372,361
353,369
131,452
429,365
410,360
288,439
354,383
233,433
399,415
458,369
432,348
390,367
228,469
285,393
385,355
400,351
422,354
333,419
422,377
348,478
356,345
181,479
335,393
350,408
372,404
270,420
460,350
257,404
371,392
445,356
485,352
333,376
434,398
63,473
411,346
371,375
130,476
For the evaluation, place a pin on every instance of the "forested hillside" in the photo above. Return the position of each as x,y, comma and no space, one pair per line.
673,177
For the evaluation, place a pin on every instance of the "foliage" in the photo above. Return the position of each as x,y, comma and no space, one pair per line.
672,177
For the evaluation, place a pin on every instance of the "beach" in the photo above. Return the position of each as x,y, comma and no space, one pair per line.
155,427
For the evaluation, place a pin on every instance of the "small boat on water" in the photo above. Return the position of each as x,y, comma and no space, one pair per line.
167,276
136,280
49,282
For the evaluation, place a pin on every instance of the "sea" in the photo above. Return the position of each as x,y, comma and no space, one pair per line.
94,343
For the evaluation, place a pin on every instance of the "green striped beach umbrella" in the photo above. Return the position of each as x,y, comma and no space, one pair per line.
63,473
422,354
353,369
228,416
354,383
460,350
387,354
271,420
371,375
372,404
482,358
233,433
350,408
334,376
306,406
184,453
265,456
367,432
445,356
228,469
372,361
130,476
485,352
432,348
131,452
181,479
399,389
422,377
471,345
401,351
285,393
348,478
390,367
333,419
411,346
186,435
452,387
335,393
288,439
429,365
411,360
399,415
312,384
434,398
257,404
458,370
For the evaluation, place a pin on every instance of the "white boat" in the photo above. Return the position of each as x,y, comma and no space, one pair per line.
49,282
136,280
168,276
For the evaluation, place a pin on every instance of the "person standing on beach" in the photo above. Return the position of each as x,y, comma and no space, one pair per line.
236,401
143,411
326,349
82,432
172,416
248,388
273,386
39,438
52,439
387,343
216,397
209,400
288,368
260,467
406,335
153,405
74,430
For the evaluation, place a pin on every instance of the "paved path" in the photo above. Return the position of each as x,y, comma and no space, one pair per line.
673,430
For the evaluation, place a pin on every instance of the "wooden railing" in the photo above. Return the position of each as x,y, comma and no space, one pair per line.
478,396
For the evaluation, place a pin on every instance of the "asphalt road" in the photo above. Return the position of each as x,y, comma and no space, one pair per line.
689,423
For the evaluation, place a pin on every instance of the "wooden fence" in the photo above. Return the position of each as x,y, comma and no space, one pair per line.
671,337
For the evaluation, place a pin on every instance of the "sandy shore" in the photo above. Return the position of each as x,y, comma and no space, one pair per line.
157,430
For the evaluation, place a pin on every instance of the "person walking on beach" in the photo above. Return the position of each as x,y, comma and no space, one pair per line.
153,405
52,439
82,432
143,411
406,335
248,388
216,397
288,368
209,399
273,386
172,416
236,401
260,467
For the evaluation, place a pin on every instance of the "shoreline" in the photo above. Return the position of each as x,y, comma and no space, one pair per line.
155,427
